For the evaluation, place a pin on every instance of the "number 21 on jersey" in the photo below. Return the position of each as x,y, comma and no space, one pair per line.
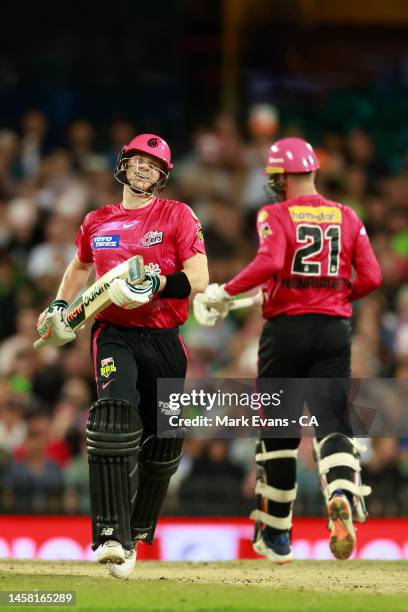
314,237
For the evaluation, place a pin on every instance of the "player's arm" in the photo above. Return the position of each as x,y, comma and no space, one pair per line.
75,278
52,324
368,271
215,301
190,250
196,270
269,259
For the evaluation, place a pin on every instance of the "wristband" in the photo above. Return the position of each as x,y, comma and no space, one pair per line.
177,286
59,304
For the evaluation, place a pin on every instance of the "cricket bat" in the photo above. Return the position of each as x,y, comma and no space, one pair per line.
95,298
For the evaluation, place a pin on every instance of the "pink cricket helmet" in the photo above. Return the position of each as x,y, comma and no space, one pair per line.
153,146
291,156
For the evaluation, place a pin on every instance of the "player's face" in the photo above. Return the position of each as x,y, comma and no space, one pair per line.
143,172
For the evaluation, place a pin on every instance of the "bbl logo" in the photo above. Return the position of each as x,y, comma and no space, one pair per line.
153,142
107,366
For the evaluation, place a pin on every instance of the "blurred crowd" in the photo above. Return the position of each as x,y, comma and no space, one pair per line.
46,189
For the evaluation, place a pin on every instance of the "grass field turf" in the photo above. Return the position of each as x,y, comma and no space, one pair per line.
236,585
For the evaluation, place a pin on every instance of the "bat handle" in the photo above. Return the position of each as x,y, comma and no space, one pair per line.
247,302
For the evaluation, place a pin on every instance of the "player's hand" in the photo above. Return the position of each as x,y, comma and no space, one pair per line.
203,312
128,296
218,299
52,324
211,305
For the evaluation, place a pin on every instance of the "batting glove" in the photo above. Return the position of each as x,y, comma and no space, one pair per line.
203,312
52,324
125,295
211,305
218,299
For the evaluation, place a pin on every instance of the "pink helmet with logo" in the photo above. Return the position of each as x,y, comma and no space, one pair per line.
153,146
291,156
148,144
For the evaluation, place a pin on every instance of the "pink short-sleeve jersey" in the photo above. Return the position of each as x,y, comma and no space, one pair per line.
166,233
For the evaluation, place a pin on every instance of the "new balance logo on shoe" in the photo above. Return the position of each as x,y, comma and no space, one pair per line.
107,531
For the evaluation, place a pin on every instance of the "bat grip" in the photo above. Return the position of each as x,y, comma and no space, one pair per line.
247,302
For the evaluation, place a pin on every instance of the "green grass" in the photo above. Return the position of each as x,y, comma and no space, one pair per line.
100,592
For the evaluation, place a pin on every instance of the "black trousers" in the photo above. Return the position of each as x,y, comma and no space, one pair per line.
128,362
304,347
312,347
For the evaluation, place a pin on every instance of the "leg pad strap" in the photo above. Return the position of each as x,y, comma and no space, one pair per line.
338,462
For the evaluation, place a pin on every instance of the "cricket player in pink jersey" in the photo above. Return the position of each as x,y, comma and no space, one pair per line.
308,249
135,341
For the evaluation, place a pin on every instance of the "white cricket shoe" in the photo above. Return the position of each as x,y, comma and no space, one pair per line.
342,534
110,552
124,570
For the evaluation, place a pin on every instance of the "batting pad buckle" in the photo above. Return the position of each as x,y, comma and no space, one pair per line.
274,494
278,454
276,522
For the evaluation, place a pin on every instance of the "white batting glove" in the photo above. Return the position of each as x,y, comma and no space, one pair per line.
211,305
203,312
218,299
52,325
125,295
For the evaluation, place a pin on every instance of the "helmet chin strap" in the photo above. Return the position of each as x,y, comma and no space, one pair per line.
141,192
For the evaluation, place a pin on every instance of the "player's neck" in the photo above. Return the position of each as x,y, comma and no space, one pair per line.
296,191
133,201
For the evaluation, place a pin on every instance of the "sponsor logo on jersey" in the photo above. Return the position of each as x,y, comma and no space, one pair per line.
107,367
264,230
151,238
263,215
110,241
315,214
127,224
200,234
